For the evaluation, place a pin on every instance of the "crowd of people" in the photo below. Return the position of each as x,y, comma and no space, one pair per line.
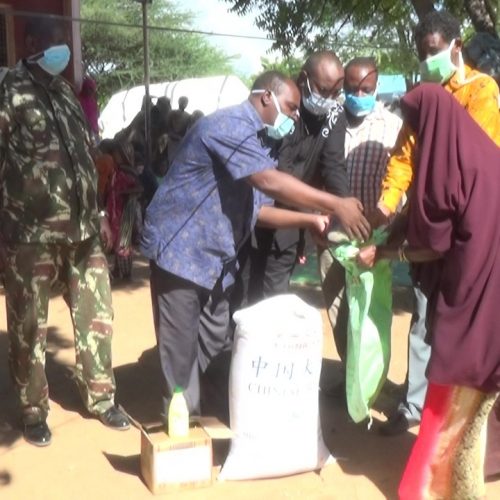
220,212
125,186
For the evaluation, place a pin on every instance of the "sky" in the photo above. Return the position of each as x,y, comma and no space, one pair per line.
213,16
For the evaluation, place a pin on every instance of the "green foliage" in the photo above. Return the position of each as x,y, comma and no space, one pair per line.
381,28
290,66
113,55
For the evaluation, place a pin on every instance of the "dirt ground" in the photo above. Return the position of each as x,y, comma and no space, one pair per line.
87,460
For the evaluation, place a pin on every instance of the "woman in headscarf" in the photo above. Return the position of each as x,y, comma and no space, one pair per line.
453,228
119,190
88,101
122,202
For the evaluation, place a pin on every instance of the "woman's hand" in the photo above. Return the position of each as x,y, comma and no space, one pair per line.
367,256
106,235
318,228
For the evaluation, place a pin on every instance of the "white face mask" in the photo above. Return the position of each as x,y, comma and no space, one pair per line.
283,124
438,68
316,103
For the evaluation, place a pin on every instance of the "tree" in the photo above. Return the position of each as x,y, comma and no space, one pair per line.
483,15
289,66
380,28
113,54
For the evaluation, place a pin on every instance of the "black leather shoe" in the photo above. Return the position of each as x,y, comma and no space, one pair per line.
38,434
115,418
398,423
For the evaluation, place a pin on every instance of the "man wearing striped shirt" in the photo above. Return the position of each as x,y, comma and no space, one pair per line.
370,136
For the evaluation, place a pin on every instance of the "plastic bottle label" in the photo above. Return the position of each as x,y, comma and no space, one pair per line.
178,416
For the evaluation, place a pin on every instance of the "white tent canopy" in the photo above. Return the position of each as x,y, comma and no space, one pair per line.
206,94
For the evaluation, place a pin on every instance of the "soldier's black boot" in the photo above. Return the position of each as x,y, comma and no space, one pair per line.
115,418
38,434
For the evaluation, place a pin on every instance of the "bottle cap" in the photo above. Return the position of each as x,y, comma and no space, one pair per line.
178,389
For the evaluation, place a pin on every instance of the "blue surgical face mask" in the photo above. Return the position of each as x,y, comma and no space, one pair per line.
283,124
317,104
359,105
54,60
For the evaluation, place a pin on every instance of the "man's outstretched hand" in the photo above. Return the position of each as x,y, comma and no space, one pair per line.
350,215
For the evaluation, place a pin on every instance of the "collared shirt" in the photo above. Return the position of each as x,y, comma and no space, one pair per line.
367,150
313,153
478,94
204,209
49,181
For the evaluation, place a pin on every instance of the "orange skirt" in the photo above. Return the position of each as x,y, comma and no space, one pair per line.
447,458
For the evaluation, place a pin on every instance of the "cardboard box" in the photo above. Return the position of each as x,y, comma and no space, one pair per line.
172,464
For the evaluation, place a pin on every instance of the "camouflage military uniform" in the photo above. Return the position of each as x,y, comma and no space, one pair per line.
50,227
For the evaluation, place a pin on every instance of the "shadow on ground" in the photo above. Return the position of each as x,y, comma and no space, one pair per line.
138,387
126,464
5,478
139,278
360,451
137,384
62,388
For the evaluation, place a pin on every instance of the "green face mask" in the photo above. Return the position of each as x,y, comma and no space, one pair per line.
438,68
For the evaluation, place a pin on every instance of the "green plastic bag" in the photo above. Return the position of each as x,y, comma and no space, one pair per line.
369,296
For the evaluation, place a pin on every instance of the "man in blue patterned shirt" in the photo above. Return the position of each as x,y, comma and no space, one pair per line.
204,211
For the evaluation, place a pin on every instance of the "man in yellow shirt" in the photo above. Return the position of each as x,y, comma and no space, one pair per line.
475,91
439,48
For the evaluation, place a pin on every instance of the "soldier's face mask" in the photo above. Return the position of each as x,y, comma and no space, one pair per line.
53,60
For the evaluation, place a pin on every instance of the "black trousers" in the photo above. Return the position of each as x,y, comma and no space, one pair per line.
192,327
265,269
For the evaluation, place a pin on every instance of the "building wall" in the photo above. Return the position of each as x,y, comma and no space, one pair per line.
7,47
